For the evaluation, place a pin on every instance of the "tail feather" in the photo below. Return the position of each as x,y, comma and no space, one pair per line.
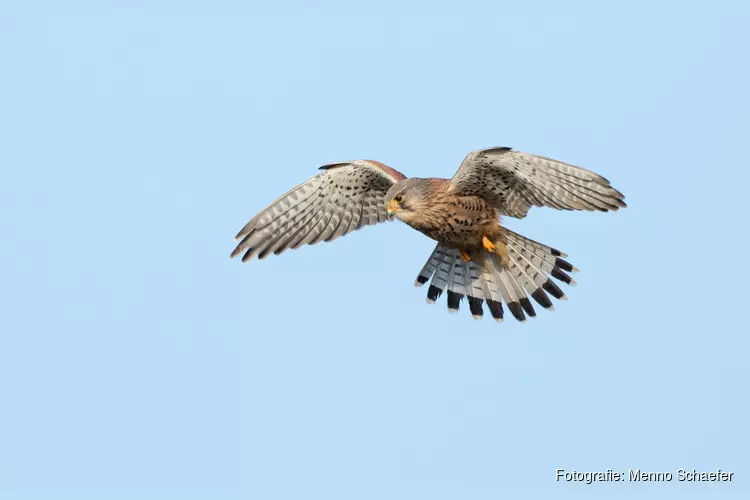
476,288
486,280
457,280
455,284
492,294
430,266
532,289
512,296
442,272
547,259
520,275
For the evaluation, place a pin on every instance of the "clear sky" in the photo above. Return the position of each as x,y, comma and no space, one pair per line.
138,361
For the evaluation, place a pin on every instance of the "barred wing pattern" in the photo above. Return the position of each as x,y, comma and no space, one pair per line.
341,199
513,182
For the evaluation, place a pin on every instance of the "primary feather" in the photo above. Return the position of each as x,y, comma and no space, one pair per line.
514,182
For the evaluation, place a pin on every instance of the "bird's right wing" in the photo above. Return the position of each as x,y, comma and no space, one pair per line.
342,198
513,182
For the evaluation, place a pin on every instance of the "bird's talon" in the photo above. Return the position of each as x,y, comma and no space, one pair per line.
488,244
465,256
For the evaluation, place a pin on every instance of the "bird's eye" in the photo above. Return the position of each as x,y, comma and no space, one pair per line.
398,199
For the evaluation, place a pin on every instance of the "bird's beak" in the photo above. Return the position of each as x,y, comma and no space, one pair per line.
391,209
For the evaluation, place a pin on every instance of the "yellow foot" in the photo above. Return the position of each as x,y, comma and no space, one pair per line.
465,256
488,244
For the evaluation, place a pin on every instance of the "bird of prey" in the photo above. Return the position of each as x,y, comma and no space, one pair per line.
475,256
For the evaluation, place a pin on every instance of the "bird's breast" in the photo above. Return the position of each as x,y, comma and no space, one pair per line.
458,222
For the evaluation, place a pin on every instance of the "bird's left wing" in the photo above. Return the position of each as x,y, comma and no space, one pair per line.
513,182
342,198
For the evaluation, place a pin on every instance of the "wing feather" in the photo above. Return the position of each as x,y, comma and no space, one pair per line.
514,182
342,198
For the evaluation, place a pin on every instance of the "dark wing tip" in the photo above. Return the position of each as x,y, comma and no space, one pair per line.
242,248
248,255
264,253
422,279
499,149
334,165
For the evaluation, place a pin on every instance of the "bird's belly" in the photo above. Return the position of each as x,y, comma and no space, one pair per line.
461,231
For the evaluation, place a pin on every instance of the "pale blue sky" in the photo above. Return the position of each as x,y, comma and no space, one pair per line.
138,361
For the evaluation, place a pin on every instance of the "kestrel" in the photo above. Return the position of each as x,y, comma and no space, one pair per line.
475,256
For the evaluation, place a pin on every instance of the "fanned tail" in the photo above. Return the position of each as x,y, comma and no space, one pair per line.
486,280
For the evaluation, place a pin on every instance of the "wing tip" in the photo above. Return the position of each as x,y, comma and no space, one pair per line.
244,232
236,252
496,149
329,166
248,257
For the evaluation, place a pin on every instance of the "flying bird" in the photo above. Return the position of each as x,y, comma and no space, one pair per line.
475,257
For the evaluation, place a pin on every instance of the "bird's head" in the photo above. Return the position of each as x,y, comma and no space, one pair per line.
405,198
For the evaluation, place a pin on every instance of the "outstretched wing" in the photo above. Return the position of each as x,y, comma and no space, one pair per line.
342,198
513,182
